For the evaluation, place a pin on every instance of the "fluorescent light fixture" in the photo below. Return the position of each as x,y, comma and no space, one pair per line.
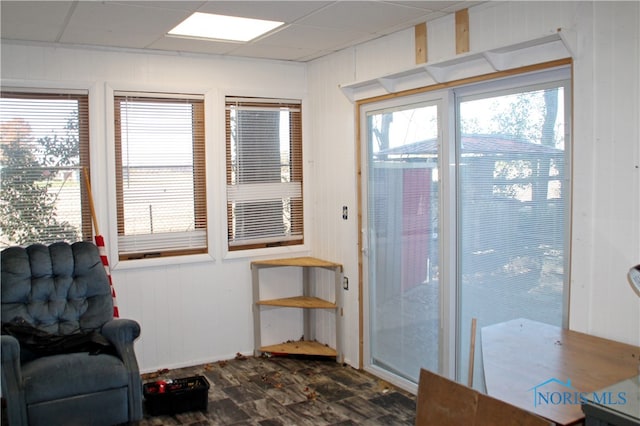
221,27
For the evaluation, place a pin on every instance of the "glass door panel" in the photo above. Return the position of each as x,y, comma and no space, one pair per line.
513,198
402,254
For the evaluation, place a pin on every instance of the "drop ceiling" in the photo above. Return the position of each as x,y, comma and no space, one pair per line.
312,28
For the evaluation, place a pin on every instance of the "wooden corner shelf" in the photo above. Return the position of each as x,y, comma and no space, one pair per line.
306,301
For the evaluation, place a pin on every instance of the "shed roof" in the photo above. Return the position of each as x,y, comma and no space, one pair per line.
473,145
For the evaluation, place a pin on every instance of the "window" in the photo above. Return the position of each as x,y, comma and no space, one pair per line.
160,175
45,147
264,172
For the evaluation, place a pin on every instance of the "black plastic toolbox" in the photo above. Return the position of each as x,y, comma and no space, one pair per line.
166,397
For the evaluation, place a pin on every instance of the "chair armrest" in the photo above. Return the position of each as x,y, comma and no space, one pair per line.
12,389
121,333
10,351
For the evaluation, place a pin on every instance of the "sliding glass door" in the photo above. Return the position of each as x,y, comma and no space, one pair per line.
466,202
402,253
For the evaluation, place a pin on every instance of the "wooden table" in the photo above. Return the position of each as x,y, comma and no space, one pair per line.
527,361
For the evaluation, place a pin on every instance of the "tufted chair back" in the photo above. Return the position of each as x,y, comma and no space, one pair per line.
59,288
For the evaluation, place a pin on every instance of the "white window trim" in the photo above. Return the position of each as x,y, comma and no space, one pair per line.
111,90
220,151
96,127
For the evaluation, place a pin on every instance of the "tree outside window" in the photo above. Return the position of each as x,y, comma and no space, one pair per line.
44,146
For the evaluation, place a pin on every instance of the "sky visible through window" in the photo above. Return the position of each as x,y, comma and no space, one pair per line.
156,134
415,123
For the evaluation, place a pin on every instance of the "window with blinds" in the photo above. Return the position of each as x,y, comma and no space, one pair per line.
44,140
160,175
264,172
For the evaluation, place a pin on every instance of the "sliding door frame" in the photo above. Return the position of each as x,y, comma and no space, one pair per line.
448,208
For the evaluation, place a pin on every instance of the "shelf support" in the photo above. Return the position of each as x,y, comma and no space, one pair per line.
255,282
569,39
306,313
389,84
438,74
496,60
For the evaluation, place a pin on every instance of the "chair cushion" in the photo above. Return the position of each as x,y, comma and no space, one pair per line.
60,376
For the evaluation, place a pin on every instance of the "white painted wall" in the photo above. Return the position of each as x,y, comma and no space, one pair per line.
334,164
192,309
201,311
606,153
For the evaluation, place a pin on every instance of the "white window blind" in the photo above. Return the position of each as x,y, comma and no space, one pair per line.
160,168
264,172
45,146
513,154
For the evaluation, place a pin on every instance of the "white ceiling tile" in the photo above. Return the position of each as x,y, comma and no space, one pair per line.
429,5
460,5
412,22
190,6
121,25
268,52
179,44
285,11
33,20
367,17
309,37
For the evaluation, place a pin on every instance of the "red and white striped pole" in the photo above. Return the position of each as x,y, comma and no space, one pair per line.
100,244
105,262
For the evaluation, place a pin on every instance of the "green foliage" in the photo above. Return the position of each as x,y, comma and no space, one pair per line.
28,212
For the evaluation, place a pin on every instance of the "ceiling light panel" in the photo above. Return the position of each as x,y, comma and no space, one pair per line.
221,27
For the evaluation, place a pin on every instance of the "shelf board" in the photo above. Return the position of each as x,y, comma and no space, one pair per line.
299,302
301,347
297,261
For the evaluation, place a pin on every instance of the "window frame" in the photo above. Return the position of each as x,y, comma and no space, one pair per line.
200,174
284,245
83,95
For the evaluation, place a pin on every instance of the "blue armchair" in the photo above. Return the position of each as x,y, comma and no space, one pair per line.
63,289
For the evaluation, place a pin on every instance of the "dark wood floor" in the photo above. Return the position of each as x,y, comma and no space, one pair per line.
289,391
